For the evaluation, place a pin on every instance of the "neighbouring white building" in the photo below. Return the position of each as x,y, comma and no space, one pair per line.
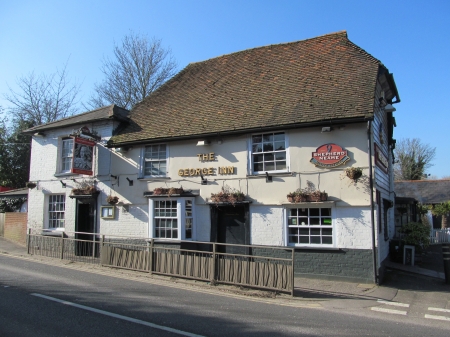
263,122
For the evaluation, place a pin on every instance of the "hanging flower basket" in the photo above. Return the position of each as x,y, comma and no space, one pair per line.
354,173
30,184
112,200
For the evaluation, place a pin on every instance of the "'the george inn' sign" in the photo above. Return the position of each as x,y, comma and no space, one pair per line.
329,155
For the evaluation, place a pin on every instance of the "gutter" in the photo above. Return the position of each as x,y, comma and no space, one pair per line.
372,207
330,122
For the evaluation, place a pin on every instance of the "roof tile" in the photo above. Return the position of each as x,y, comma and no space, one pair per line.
313,80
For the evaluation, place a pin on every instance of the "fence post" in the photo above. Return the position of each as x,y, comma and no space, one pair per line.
62,245
28,240
446,257
102,242
93,245
213,272
150,259
293,278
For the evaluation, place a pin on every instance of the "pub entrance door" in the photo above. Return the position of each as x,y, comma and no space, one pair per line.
85,217
229,224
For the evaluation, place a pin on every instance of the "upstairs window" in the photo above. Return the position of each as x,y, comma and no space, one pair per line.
155,161
66,155
268,153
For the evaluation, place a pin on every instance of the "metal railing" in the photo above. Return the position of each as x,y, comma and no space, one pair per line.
262,267
440,236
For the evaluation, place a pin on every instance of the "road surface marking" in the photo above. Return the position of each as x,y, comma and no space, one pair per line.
125,318
441,318
397,304
439,309
390,311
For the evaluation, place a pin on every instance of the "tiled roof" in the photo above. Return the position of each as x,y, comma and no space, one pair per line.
103,113
424,191
16,193
310,81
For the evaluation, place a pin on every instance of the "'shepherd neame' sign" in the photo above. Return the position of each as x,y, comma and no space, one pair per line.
329,155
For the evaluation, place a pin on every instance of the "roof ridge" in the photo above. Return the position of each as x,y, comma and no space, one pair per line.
108,108
342,32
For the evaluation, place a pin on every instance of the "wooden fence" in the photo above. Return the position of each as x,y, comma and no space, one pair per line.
273,270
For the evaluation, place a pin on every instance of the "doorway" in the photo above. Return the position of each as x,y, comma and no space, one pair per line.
229,224
85,227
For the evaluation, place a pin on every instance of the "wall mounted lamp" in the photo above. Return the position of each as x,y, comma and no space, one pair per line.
113,176
63,184
204,181
326,129
122,149
203,143
389,108
130,182
268,178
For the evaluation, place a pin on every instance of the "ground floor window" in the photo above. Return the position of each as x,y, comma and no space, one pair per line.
56,211
310,226
171,218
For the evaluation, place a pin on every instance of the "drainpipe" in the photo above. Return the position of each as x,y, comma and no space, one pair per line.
372,207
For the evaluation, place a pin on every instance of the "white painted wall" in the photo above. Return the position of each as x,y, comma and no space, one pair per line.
351,211
267,225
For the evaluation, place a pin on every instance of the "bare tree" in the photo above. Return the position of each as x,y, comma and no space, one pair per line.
42,99
413,158
140,66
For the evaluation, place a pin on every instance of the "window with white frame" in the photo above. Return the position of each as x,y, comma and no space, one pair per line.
56,210
268,152
310,226
155,161
172,218
66,155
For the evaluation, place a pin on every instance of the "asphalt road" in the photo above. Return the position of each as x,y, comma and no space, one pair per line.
46,300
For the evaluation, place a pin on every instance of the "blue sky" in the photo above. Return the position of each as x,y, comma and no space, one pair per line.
410,37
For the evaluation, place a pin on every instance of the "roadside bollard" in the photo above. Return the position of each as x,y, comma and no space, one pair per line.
446,256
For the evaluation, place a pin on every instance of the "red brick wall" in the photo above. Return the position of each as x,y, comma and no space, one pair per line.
16,227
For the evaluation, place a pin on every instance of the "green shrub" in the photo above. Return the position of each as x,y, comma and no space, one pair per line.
416,234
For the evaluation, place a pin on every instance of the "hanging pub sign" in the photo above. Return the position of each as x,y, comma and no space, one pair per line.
83,154
381,159
329,155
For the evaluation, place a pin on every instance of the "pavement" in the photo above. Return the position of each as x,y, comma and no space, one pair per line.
427,275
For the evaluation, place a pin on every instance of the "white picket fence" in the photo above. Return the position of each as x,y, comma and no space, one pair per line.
440,236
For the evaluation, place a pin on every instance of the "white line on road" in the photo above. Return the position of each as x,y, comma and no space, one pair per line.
441,318
439,309
125,318
397,304
390,311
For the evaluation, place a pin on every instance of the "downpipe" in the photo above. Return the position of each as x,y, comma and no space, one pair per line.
372,206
